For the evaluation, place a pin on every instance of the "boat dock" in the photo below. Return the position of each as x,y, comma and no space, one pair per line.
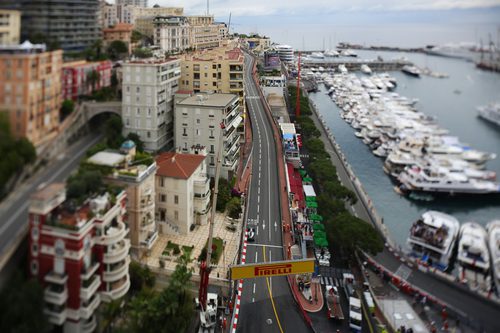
355,64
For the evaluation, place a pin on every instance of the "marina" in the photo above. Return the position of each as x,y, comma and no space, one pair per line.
477,86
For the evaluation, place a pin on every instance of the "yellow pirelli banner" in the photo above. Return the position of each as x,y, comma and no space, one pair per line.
274,268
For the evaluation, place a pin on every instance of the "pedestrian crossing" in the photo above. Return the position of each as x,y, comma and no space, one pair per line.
331,281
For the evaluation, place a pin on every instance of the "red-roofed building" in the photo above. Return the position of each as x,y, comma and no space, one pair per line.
77,79
121,31
182,190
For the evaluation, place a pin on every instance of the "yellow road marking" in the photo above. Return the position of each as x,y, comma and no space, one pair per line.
366,315
270,293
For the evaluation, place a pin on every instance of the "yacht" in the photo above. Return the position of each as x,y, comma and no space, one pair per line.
473,257
317,55
331,53
432,238
348,53
493,229
415,178
365,69
411,70
343,69
490,113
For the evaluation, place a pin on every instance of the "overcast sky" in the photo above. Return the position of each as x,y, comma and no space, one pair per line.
299,7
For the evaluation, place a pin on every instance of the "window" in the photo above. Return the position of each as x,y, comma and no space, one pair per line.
34,249
34,267
138,111
149,112
212,149
176,215
206,74
214,84
149,134
162,182
214,66
163,198
198,121
176,199
198,132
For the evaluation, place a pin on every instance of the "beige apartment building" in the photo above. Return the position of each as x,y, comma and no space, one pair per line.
138,180
30,90
10,27
198,120
218,70
183,191
204,33
144,25
120,31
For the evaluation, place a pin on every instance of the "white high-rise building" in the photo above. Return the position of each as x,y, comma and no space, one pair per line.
172,33
147,102
285,52
198,120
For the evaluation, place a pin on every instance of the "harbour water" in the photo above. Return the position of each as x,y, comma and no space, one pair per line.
453,101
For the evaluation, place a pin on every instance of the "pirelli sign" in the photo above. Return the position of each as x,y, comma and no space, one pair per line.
275,268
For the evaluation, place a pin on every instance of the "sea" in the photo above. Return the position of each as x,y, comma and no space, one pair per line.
453,101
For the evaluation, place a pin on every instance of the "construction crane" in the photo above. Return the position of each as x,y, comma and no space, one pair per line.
208,301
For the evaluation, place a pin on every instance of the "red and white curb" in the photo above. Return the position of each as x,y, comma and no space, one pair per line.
240,287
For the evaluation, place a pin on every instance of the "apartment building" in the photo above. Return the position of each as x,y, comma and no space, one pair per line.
78,253
198,120
139,3
171,33
183,191
109,15
157,11
144,25
30,90
75,24
219,70
204,33
10,27
147,100
120,31
78,78
137,177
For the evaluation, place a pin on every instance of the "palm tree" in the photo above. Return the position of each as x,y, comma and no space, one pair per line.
92,78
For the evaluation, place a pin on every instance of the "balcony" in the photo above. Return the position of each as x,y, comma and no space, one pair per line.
117,252
88,326
235,68
236,77
116,271
150,240
56,278
113,234
55,294
56,315
87,309
87,273
89,287
117,290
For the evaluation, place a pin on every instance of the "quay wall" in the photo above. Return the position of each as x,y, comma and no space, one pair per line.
355,65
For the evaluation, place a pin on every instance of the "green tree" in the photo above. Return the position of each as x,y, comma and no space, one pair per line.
67,107
136,36
137,140
92,78
224,194
113,131
143,53
21,306
117,49
170,310
140,277
234,207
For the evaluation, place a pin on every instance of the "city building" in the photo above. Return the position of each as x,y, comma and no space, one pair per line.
285,53
147,100
137,175
258,44
72,25
219,70
79,253
109,15
223,30
198,120
144,25
78,78
139,3
30,90
272,61
120,31
171,33
10,27
125,13
204,33
156,11
183,191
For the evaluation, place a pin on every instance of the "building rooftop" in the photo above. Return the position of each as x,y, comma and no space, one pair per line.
48,192
177,165
26,47
107,158
214,100
120,27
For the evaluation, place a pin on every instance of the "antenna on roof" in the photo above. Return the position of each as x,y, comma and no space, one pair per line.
208,7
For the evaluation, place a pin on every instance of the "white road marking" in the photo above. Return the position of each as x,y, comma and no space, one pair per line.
256,254
254,287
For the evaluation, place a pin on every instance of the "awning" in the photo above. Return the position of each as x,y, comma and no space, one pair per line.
318,227
316,217
311,199
311,204
309,191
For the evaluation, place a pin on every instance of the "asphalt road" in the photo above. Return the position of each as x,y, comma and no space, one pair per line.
14,209
267,305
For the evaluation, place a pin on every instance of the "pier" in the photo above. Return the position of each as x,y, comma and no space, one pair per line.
355,64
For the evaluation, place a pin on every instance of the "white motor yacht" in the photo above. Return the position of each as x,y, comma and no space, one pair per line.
432,238
473,257
365,69
490,113
493,229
